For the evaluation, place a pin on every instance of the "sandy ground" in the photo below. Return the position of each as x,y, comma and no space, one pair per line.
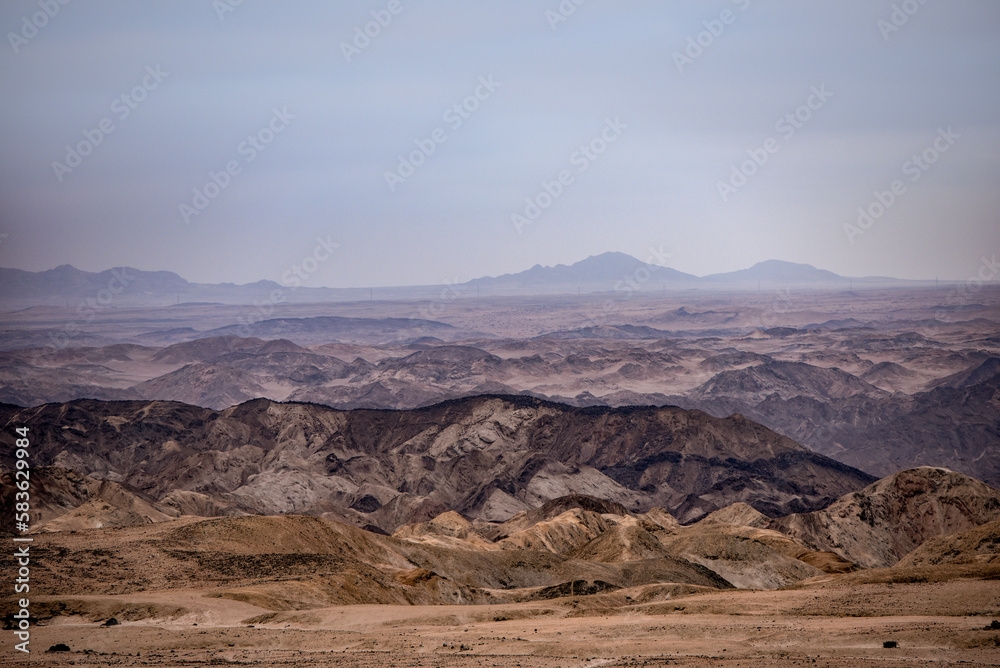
939,624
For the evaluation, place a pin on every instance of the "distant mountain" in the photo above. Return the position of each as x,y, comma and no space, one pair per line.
772,273
69,282
126,286
608,272
618,272
778,271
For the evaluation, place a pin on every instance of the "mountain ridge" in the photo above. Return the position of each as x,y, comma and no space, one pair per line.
606,272
488,457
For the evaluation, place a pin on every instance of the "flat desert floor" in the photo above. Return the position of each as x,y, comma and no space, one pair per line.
822,624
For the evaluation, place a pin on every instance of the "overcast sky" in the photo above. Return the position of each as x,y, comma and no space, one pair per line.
116,114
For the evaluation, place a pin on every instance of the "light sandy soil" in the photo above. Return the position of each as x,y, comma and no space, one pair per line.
939,624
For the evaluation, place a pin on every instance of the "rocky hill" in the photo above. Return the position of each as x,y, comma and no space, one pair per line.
878,525
487,457
955,424
570,547
979,545
832,390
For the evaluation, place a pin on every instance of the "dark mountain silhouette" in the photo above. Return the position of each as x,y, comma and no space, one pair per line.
488,457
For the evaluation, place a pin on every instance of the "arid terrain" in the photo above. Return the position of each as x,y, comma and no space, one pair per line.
809,626
684,476
515,334
551,588
488,457
880,379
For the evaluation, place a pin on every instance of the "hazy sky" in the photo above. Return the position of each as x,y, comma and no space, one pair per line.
829,100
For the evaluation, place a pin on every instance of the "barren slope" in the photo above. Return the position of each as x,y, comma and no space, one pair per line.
979,545
878,525
486,457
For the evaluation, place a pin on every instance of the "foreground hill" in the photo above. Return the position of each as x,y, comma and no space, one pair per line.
979,545
488,457
875,527
295,562
569,548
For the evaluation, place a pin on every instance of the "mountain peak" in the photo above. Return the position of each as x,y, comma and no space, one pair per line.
783,264
780,271
604,272
64,270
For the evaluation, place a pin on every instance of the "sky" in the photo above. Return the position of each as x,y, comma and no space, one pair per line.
399,142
